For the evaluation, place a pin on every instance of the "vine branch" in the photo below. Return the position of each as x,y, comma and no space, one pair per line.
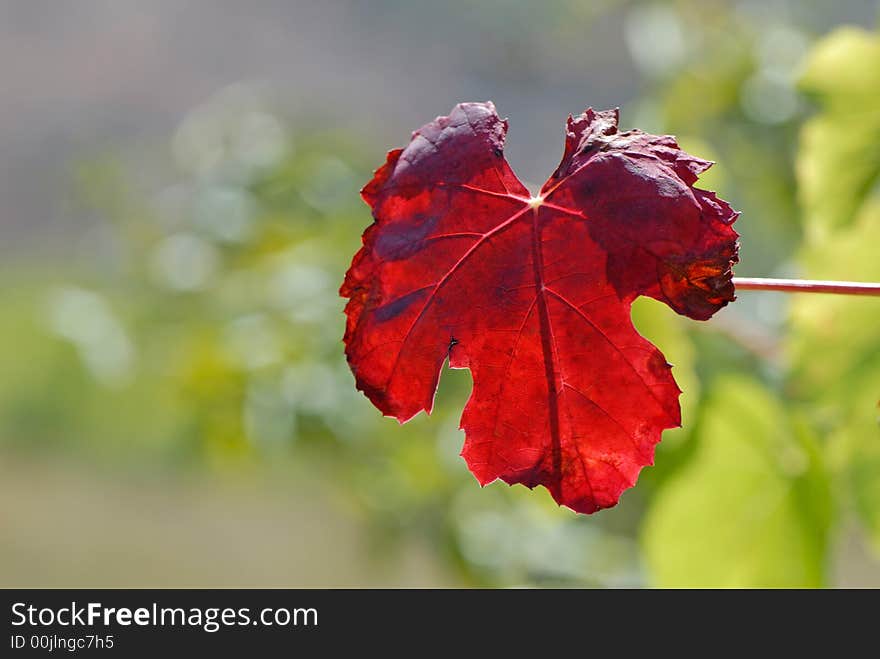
806,286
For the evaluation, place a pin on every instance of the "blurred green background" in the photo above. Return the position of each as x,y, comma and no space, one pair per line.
179,193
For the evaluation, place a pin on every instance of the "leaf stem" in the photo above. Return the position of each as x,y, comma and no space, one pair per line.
806,286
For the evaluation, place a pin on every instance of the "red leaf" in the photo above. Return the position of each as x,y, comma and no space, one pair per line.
533,295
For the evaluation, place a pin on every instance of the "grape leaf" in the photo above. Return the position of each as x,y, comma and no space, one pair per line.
533,295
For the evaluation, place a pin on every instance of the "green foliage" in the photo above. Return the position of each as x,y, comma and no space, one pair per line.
751,508
839,159
837,340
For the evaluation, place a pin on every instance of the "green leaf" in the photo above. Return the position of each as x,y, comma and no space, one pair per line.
839,159
834,345
752,507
